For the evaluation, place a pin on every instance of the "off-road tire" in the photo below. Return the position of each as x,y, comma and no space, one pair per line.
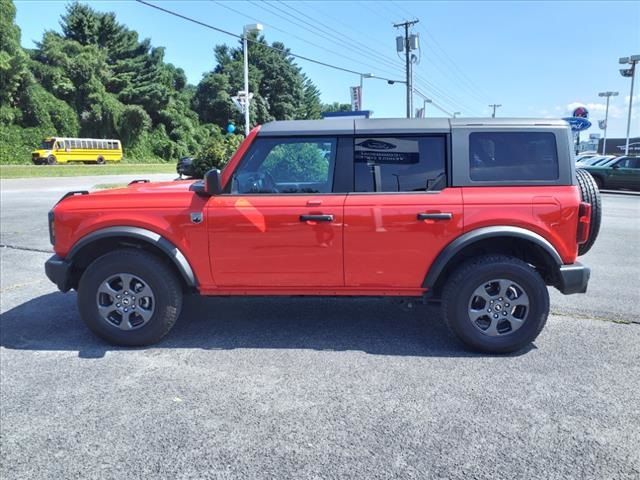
590,193
158,276
51,160
459,290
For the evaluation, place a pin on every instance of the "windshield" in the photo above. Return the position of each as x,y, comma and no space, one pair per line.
591,161
47,145
602,161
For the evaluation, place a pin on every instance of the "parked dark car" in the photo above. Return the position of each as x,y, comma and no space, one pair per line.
185,167
621,172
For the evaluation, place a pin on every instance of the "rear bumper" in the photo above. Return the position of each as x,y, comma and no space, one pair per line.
58,271
573,278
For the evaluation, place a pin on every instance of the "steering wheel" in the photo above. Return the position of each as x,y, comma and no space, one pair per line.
255,182
268,183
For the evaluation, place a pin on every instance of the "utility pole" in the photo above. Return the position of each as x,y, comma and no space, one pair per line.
606,117
494,106
410,42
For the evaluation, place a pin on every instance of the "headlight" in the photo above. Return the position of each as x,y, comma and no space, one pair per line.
52,228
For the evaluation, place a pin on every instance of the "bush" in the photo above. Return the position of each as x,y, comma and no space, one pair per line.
134,121
17,143
216,152
42,109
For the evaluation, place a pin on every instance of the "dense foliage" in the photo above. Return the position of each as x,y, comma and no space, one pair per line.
98,79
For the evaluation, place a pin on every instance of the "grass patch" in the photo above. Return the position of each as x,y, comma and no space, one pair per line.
27,171
107,186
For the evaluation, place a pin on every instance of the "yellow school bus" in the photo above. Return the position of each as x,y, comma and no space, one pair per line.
54,150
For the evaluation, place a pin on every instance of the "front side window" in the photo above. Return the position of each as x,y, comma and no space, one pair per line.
505,156
399,164
287,166
629,162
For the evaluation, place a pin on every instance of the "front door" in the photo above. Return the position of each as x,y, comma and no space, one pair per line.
625,173
280,224
401,214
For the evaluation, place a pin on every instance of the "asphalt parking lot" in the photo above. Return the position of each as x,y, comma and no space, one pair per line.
314,388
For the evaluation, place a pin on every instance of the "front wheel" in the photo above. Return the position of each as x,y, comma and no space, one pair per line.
129,297
51,160
496,304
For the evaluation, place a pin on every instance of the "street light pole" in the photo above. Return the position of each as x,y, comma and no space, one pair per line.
630,72
494,106
455,114
256,27
606,117
363,76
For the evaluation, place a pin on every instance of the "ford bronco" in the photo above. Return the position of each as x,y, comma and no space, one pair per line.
480,215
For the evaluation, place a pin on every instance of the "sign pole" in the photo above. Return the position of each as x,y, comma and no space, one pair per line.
633,77
606,119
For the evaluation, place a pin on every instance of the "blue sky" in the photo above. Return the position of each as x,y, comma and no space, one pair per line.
535,58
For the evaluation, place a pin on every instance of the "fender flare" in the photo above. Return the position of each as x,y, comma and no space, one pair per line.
483,233
152,238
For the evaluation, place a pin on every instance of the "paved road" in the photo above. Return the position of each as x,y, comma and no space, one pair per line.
318,388
26,201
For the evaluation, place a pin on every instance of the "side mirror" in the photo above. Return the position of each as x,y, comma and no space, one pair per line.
213,184
616,166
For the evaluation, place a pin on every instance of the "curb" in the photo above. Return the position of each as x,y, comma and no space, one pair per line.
621,192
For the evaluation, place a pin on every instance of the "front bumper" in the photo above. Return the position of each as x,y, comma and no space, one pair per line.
59,272
573,278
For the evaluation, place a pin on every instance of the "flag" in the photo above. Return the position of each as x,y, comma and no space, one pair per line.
356,99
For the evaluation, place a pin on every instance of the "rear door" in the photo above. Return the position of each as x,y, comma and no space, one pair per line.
280,224
401,213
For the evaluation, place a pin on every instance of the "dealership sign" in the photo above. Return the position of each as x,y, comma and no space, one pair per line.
578,124
581,112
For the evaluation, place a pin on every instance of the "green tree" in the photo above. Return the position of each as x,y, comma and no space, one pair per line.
336,107
13,59
281,91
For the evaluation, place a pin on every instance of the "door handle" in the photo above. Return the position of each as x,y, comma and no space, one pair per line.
435,216
316,218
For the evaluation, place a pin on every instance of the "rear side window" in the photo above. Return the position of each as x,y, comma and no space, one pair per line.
399,164
507,156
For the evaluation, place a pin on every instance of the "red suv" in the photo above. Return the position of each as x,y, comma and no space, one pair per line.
479,215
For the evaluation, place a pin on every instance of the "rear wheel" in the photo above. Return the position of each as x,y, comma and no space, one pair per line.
589,192
599,182
129,297
496,304
100,160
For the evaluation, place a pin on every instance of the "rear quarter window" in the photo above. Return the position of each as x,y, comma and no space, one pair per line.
512,156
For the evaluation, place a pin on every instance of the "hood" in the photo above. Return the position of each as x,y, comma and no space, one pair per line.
134,196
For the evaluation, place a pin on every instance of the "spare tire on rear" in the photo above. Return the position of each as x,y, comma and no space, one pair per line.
590,194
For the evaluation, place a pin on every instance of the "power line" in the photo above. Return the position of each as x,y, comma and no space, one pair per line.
446,58
328,29
268,7
288,33
365,48
235,35
282,51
